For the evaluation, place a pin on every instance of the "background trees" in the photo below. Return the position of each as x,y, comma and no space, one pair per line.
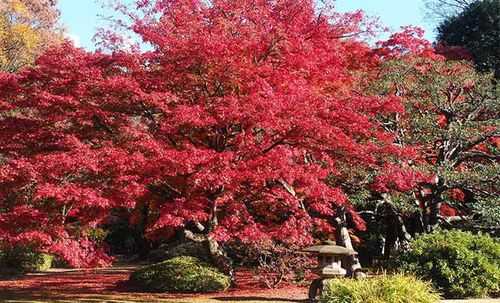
27,28
444,9
477,29
452,115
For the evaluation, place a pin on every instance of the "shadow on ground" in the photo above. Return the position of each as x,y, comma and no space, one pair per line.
256,299
111,285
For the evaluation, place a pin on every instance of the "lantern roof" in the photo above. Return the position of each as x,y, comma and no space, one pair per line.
330,250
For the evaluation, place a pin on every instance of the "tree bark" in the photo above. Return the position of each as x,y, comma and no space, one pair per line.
394,228
352,264
431,204
434,211
218,256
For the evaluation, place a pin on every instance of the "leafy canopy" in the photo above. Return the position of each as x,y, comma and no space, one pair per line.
234,124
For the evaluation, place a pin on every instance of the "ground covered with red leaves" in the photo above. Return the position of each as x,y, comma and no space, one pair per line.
110,285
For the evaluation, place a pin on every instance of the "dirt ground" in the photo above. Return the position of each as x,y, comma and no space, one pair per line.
110,285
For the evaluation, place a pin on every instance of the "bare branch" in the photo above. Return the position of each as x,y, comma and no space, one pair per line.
442,9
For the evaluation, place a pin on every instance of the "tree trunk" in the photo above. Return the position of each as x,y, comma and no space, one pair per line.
404,236
395,233
434,211
144,246
352,264
431,211
390,242
220,258
432,205
217,254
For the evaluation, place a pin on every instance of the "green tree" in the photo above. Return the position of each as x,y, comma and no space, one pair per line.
452,116
477,29
444,9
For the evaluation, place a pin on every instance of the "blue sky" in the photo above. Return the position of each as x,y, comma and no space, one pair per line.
81,17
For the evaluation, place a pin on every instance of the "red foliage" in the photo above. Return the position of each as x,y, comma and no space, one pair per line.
409,42
235,99
395,178
457,195
454,52
448,211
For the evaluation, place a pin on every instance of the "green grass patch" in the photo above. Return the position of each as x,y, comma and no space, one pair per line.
382,289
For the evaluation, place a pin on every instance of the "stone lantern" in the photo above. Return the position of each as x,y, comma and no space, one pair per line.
329,265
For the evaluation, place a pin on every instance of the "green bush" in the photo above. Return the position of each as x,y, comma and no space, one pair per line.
181,274
194,249
459,264
21,260
41,262
382,289
97,235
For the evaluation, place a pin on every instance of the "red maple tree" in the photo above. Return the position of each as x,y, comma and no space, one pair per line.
231,126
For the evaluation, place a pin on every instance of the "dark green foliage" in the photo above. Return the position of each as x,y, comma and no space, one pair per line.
488,210
122,237
459,264
477,29
193,249
22,260
181,274
386,289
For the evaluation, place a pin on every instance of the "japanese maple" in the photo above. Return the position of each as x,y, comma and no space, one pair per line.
231,127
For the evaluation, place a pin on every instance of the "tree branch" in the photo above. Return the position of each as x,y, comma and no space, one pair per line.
476,155
289,188
480,139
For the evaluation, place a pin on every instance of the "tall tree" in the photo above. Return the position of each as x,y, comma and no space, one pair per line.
27,28
230,129
452,116
443,9
477,29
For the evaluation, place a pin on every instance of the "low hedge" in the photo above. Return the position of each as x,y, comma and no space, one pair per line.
18,261
180,274
459,264
383,289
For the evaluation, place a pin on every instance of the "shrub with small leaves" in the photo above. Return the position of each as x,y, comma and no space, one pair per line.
97,235
189,248
21,260
459,264
181,274
383,289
